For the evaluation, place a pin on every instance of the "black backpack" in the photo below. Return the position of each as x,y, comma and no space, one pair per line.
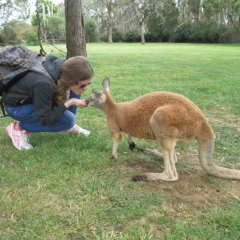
15,62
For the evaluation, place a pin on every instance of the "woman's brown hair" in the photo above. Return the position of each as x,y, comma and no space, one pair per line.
72,71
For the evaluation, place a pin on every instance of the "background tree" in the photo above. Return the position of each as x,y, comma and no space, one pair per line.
56,28
109,6
195,9
20,8
96,10
140,8
90,29
15,32
162,19
75,36
44,11
224,12
130,21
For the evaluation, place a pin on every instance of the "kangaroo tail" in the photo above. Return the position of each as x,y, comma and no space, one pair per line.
205,151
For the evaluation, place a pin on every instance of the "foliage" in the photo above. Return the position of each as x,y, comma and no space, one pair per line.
225,12
150,38
2,38
32,39
50,25
90,29
166,20
230,35
117,35
56,28
103,37
183,32
10,34
45,9
204,32
16,32
163,20
131,36
20,8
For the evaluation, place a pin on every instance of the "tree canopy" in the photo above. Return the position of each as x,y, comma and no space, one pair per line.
124,20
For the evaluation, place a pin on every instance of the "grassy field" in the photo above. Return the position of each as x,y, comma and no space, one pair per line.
67,187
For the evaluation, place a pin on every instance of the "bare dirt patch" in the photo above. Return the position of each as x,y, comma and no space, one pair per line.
195,189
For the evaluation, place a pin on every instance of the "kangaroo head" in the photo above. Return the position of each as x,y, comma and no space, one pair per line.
98,98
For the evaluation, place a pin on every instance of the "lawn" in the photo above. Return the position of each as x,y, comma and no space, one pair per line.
67,187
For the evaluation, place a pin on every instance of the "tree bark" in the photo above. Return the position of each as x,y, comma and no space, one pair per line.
198,10
110,20
75,37
141,20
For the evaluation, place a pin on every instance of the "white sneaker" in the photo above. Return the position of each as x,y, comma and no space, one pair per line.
19,137
76,130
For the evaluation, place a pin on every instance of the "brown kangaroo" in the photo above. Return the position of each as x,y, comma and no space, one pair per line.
163,116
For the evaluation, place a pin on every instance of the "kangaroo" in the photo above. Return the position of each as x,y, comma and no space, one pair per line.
163,116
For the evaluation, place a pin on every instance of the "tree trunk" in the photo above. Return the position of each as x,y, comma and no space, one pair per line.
75,37
198,10
110,20
142,31
141,20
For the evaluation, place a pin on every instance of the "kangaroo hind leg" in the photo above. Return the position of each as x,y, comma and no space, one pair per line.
156,153
170,172
166,134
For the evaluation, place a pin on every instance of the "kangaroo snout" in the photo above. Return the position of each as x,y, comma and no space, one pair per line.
87,101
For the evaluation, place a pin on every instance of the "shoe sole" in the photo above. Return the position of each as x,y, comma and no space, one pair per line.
77,134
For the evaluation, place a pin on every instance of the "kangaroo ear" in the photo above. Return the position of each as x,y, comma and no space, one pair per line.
99,97
106,84
97,93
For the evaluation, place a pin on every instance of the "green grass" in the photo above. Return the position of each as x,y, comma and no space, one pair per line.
67,187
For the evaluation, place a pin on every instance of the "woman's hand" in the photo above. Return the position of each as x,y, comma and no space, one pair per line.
76,102
81,103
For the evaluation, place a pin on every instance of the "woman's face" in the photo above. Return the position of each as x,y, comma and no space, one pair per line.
81,86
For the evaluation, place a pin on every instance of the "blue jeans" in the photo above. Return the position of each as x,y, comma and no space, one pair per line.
26,116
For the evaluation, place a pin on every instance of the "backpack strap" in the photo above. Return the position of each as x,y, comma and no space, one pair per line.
11,95
3,109
16,95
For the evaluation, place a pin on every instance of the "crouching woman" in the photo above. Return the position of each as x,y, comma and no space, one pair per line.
47,105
